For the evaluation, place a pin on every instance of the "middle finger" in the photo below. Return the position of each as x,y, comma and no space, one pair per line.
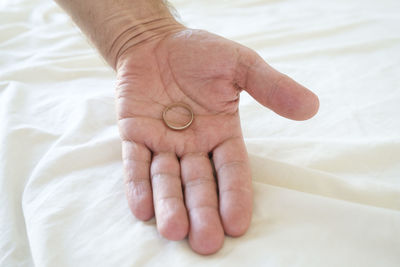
206,234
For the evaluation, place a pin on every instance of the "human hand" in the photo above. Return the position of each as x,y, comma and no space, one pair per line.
169,173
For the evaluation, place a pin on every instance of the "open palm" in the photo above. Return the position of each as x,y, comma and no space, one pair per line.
196,181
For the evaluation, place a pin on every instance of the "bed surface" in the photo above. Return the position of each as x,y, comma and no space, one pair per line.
327,190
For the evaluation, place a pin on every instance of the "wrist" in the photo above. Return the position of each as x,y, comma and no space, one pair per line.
115,26
139,33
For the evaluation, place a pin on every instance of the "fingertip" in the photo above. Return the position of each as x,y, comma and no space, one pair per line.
316,105
206,236
308,107
207,246
237,228
174,228
236,217
293,101
143,214
141,205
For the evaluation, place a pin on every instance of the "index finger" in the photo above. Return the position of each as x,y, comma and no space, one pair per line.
234,184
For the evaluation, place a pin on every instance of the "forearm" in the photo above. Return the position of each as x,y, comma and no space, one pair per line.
114,26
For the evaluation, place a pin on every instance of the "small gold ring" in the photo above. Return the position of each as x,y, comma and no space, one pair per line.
175,127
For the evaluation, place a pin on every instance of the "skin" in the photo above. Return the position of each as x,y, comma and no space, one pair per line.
196,182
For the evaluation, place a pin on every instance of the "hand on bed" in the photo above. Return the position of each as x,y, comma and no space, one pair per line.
169,173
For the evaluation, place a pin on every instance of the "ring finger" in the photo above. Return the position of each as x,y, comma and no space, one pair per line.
170,211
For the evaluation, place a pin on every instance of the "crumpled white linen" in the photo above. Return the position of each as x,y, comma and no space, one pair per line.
327,190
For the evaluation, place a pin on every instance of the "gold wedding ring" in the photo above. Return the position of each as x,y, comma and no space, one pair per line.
173,126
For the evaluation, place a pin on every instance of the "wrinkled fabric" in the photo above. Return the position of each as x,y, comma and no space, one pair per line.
327,190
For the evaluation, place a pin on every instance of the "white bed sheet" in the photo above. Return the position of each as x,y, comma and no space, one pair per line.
327,191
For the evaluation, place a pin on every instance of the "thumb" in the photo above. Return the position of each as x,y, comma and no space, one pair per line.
275,90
